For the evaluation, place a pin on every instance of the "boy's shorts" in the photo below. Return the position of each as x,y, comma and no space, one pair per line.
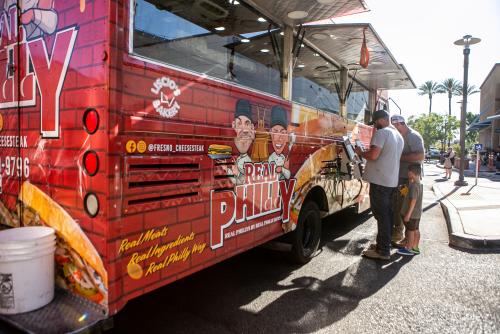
413,224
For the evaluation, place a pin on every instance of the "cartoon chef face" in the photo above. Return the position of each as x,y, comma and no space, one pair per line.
279,138
243,126
245,133
279,132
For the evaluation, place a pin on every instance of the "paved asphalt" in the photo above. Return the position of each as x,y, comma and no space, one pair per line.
443,290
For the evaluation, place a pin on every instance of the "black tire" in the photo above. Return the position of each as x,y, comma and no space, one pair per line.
307,235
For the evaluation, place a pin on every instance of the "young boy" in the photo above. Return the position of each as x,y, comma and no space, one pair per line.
411,211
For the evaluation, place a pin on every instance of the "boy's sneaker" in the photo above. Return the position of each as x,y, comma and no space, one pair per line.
415,250
374,254
399,244
405,252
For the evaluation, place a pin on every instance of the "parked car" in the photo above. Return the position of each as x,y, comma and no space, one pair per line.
432,153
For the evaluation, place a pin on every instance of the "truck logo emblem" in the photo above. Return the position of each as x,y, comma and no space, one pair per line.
163,88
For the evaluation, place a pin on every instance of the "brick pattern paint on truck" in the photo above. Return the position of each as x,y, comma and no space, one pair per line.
163,197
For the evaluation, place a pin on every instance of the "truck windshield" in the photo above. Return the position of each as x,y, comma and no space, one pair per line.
219,38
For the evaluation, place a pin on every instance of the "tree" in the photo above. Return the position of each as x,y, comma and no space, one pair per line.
471,136
451,87
451,126
471,89
429,88
435,128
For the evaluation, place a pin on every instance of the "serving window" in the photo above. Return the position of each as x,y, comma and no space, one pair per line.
313,81
225,39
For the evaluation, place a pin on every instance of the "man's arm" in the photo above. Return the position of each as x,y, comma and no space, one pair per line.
372,154
378,141
413,157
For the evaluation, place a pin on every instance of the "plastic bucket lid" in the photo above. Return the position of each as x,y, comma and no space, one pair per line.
25,235
32,250
27,245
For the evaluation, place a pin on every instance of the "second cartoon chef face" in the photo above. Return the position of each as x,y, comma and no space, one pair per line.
279,137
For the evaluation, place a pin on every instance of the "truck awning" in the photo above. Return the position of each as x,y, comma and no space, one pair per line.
342,43
295,12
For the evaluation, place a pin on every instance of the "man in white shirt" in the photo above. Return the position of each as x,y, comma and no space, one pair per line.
382,171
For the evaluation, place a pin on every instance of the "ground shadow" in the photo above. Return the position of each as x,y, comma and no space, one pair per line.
441,179
341,223
312,304
228,297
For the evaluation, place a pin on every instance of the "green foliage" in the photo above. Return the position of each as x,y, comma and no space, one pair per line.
439,129
471,137
471,89
457,149
435,128
451,87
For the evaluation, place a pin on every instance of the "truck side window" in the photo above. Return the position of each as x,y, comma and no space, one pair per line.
219,38
357,102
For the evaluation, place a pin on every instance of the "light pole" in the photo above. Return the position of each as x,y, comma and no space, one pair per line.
466,41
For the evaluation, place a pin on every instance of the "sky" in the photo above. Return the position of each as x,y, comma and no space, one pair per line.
420,35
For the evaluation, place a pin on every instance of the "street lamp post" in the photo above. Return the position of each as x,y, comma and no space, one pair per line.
466,41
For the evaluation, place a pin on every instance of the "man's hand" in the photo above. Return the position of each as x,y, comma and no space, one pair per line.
406,219
287,164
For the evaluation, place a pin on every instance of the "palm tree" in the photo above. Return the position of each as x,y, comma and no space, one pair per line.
450,86
429,88
471,89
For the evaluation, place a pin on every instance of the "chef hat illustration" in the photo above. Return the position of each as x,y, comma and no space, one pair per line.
278,116
243,108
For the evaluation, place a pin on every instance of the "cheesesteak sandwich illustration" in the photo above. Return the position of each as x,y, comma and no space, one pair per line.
79,267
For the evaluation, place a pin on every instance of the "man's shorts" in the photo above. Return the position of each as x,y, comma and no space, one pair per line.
411,225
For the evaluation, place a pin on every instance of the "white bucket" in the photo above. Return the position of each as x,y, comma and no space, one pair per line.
26,269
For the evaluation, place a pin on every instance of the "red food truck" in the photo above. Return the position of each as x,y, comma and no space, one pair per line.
159,137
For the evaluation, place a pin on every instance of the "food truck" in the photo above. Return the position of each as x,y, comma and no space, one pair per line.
159,137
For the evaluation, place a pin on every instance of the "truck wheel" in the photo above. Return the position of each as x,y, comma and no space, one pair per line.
306,237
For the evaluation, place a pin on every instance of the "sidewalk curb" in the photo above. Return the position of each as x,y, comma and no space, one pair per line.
458,238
